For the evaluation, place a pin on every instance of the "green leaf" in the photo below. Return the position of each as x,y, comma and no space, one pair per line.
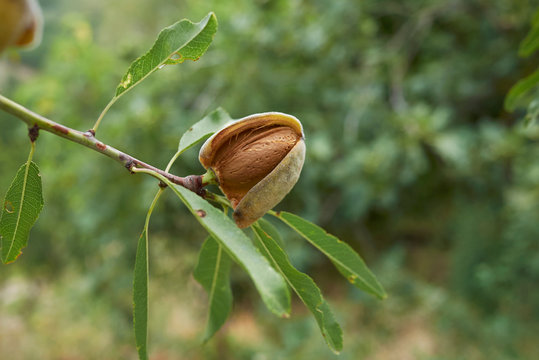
21,208
204,128
345,259
305,288
213,273
521,89
185,39
140,286
271,230
269,283
181,41
531,43
140,295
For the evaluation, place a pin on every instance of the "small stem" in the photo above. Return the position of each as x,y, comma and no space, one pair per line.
32,150
149,172
36,122
152,206
173,160
209,178
96,125
223,201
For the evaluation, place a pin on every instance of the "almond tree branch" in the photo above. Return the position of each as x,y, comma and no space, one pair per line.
88,139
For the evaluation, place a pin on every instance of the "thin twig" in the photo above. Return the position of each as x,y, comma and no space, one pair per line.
88,139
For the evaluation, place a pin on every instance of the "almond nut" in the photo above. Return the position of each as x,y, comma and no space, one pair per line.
257,160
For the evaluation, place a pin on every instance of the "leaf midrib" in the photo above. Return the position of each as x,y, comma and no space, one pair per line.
215,274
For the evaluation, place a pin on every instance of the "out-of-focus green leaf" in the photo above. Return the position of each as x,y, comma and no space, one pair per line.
531,42
305,288
140,295
204,128
269,283
520,89
213,273
20,210
345,259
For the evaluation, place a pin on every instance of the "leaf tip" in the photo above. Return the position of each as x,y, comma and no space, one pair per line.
8,260
285,315
508,104
205,339
211,14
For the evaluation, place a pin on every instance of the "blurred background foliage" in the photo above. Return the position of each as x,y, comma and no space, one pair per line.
411,159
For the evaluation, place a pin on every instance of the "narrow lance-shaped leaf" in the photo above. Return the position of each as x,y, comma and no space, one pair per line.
140,287
20,210
140,295
213,273
181,41
268,282
305,288
213,267
185,40
531,43
271,230
345,259
204,128
520,89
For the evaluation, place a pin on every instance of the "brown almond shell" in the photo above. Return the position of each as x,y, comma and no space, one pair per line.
272,189
253,185
210,147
